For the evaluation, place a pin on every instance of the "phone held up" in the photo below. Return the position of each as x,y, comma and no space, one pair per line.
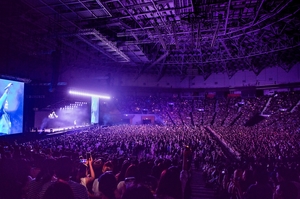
88,155
82,160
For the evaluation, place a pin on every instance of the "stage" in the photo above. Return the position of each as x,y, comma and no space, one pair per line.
60,130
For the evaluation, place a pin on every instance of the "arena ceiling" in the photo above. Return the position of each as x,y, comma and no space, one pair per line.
157,37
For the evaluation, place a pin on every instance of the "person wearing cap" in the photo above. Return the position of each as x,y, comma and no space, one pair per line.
107,186
107,167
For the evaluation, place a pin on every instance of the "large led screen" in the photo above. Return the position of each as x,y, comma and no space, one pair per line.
68,116
95,110
11,107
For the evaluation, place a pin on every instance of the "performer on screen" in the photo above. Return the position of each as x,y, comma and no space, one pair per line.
5,124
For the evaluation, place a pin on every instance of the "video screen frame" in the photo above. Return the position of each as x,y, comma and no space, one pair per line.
11,107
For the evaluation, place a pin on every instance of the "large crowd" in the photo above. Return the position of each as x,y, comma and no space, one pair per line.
107,162
155,161
230,111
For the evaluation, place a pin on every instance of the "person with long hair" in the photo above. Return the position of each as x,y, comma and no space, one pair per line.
131,177
169,185
121,175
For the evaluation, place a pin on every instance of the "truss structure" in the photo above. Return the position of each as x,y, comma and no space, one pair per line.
157,37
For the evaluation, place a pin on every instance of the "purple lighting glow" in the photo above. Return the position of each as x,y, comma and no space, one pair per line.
88,94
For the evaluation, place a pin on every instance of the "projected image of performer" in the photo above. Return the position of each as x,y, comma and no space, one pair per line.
95,110
5,124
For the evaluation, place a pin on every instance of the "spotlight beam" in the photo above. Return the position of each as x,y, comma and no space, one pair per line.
88,94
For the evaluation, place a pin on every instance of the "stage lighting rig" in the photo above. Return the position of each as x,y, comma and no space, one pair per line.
88,94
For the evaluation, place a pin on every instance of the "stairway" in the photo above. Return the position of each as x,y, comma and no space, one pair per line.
213,120
198,187
266,106
294,108
235,119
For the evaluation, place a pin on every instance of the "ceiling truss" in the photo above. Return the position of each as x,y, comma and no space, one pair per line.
159,37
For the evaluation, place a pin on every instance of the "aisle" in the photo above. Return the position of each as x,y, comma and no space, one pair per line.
198,187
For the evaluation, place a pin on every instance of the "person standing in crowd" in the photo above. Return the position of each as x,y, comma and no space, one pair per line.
45,175
261,189
169,185
59,190
63,172
107,186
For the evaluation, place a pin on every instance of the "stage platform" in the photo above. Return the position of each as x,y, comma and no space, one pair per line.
60,130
